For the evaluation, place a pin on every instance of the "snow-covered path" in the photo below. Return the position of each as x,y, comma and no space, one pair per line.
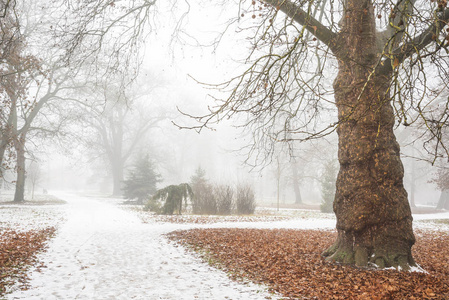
104,252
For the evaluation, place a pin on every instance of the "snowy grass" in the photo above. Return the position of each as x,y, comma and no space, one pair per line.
7,196
32,216
261,215
433,222
24,230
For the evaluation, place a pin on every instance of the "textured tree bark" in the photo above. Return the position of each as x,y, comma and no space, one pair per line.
374,220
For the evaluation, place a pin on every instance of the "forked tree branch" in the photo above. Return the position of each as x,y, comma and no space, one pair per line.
315,27
401,53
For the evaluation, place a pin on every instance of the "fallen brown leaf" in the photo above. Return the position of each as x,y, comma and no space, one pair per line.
17,253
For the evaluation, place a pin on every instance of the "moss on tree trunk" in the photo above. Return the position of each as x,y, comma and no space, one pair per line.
374,220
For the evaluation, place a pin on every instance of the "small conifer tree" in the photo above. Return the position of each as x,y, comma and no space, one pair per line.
142,180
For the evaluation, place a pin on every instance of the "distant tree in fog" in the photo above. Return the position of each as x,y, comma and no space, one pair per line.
225,197
441,179
120,120
34,174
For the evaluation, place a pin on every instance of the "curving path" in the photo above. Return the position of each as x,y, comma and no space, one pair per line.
104,252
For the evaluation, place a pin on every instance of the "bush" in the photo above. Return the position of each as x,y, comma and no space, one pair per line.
203,201
219,199
169,200
224,196
245,200
153,205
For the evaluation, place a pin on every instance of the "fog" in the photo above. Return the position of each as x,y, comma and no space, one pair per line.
179,56
231,149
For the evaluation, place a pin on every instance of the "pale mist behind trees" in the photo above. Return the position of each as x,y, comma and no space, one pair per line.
98,123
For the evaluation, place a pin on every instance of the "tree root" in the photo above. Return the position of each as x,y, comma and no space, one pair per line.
372,257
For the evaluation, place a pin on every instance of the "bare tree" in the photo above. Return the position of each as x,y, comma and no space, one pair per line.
102,38
382,75
18,73
119,124
442,181
306,159
441,176
85,30
27,85
9,30
12,62
26,116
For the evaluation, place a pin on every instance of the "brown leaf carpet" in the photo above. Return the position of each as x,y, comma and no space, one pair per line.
18,252
289,262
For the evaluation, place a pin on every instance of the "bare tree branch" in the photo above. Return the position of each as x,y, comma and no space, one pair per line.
429,35
306,19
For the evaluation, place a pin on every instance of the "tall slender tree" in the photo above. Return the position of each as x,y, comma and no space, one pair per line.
27,84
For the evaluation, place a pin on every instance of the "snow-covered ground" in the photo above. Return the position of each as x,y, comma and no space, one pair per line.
27,217
105,252
437,221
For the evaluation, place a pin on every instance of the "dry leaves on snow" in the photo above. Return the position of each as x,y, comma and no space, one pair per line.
18,252
289,262
212,219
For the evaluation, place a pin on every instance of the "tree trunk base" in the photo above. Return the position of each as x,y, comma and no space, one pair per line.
352,249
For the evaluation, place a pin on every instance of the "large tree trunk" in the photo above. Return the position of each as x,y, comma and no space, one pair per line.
20,182
374,220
